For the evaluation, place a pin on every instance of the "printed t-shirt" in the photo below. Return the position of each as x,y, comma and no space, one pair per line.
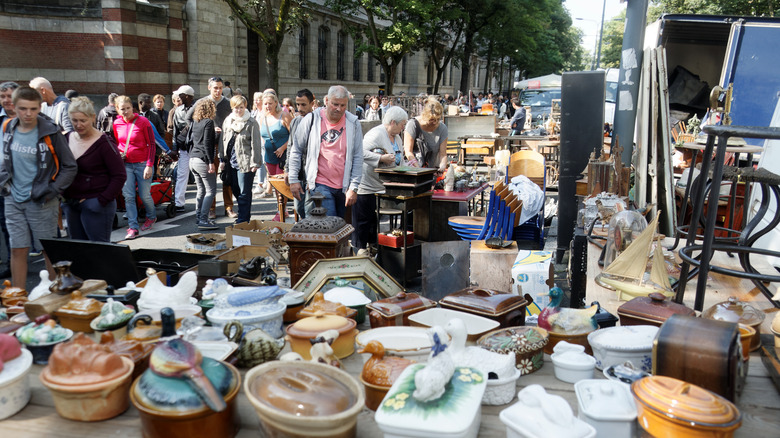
333,152
24,155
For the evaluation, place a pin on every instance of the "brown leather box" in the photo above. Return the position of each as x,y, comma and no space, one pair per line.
396,310
653,309
506,308
702,352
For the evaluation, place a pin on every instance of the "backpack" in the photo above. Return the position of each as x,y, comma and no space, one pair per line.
46,139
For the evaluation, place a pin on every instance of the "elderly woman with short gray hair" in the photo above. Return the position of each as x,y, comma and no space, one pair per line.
382,147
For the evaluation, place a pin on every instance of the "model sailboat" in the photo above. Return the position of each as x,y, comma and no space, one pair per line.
626,273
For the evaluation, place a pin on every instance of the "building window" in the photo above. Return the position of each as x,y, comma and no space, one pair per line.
356,61
322,53
370,69
340,55
403,70
303,71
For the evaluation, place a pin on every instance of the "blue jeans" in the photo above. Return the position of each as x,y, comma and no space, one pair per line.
207,188
242,183
89,220
135,175
334,200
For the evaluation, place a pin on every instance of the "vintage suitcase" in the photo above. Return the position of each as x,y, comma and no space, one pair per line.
506,308
700,351
653,309
396,310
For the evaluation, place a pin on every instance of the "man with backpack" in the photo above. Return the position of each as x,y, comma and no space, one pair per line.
37,167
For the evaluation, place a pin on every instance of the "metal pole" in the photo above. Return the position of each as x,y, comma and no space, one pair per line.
601,33
630,71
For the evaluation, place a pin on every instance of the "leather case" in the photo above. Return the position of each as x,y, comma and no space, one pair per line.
653,309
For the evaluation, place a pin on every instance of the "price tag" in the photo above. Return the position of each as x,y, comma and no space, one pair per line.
241,241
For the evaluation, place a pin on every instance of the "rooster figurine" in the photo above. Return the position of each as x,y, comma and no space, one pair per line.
565,320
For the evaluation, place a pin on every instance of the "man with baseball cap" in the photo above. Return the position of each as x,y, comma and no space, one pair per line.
181,127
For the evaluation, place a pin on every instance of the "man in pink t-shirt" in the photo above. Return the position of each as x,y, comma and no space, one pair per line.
328,143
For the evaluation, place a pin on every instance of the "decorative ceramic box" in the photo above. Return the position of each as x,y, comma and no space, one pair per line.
395,310
526,342
669,407
617,345
740,312
300,334
608,406
506,308
571,363
653,309
700,351
254,307
455,414
316,237
538,414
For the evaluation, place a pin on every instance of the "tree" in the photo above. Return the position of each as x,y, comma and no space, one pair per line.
442,38
393,29
612,41
479,14
271,21
756,8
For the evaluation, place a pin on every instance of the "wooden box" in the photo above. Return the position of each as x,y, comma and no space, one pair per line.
395,241
395,310
491,268
506,308
702,352
653,309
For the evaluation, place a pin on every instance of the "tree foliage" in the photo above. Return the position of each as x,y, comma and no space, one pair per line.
271,21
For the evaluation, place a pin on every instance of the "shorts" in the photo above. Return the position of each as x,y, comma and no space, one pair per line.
22,218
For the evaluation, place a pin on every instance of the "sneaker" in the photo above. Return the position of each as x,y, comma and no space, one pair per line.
180,209
207,225
230,213
148,223
132,233
35,253
212,214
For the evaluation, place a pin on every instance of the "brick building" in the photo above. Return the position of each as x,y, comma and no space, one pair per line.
152,46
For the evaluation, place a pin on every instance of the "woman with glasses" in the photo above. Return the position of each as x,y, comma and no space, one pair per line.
425,138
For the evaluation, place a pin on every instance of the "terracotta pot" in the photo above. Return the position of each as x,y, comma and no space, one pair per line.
746,336
302,332
374,394
191,423
581,339
276,421
92,402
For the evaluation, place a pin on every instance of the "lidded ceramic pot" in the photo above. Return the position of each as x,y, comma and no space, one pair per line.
506,308
304,330
12,296
254,307
79,312
734,310
15,364
526,342
87,381
608,406
571,363
395,310
670,407
616,345
304,399
653,309
538,414
350,297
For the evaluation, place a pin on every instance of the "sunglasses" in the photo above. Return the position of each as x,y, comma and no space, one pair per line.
216,79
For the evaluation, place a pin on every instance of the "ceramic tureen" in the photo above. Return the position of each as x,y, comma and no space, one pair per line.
254,307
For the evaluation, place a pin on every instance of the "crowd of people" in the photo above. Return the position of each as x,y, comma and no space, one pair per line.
59,153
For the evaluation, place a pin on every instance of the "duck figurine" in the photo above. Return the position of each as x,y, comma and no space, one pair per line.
492,364
565,320
178,358
379,369
156,295
431,381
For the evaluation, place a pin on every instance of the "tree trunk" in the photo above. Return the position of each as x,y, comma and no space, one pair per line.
439,74
468,49
501,77
272,59
390,70
488,69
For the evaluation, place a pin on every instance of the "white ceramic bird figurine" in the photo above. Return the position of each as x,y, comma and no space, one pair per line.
431,381
42,289
156,295
494,365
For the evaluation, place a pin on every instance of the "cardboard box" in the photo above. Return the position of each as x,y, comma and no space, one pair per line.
531,273
215,243
254,233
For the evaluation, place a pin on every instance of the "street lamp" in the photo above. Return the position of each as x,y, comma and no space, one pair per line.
597,48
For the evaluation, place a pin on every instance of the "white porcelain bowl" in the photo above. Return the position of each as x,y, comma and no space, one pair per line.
616,345
408,342
501,391
14,385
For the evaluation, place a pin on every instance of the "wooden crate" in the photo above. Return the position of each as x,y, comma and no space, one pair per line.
492,268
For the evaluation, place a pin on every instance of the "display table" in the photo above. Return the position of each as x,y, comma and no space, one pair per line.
760,406
448,204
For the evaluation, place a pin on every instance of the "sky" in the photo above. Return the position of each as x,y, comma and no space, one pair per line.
590,13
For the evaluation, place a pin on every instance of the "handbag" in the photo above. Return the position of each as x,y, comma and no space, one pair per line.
224,176
283,158
420,149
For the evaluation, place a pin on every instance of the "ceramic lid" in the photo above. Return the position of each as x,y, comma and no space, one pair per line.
83,362
401,303
624,338
175,395
517,339
10,348
485,301
572,356
348,296
735,310
654,307
538,414
131,349
320,304
80,305
304,392
606,400
311,326
685,402
16,367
